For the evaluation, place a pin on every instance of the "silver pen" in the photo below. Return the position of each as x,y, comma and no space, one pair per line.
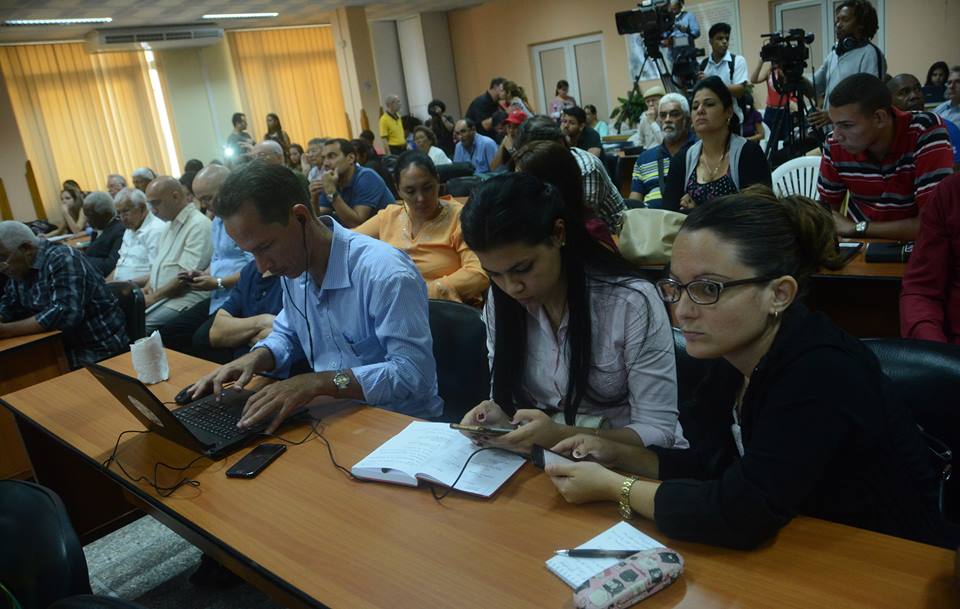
592,553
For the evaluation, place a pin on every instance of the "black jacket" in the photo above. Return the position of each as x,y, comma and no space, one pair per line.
819,439
104,250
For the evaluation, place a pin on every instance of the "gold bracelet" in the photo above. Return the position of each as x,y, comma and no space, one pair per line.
626,512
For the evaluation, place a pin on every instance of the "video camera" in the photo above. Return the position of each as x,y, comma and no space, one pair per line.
788,51
650,17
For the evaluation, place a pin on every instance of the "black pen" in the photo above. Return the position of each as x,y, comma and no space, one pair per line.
591,553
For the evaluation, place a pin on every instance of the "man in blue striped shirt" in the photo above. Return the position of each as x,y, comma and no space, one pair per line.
355,308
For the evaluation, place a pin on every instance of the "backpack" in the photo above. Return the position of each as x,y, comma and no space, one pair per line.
741,101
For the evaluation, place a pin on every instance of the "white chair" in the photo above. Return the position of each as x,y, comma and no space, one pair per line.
797,177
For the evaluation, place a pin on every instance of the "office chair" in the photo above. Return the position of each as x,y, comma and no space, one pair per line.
460,350
462,187
130,297
447,172
926,379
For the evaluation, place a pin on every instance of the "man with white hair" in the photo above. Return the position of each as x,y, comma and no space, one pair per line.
115,183
138,248
185,246
268,151
54,287
104,249
142,177
650,170
391,127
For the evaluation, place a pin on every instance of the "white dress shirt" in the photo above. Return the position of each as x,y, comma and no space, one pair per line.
722,69
186,245
139,249
438,156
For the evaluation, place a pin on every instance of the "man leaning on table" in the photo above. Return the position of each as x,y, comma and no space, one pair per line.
354,307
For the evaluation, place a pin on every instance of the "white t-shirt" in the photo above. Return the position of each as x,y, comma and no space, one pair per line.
722,69
438,156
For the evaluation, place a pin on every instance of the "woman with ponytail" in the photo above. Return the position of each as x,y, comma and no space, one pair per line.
792,416
577,341
722,162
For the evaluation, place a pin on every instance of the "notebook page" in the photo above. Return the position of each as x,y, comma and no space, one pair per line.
621,536
408,451
486,472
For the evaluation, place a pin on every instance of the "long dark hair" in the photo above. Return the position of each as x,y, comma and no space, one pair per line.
278,130
714,84
940,65
519,208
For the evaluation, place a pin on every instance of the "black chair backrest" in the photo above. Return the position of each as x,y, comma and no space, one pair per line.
389,163
462,187
926,379
88,601
460,350
41,559
449,171
131,301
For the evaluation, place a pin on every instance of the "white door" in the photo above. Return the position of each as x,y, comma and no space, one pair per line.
580,62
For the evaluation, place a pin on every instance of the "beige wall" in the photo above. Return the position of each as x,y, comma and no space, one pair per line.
494,39
13,161
202,90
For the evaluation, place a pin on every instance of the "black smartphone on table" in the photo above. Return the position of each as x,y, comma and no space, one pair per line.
256,461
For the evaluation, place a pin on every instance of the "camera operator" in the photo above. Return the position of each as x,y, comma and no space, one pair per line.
685,28
442,126
855,23
730,68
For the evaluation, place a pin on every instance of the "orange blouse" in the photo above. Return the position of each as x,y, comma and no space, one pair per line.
452,271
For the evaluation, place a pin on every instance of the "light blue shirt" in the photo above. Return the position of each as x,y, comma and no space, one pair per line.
948,111
227,260
480,155
370,316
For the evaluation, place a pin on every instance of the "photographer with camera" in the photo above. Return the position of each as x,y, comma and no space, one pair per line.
855,23
730,68
442,126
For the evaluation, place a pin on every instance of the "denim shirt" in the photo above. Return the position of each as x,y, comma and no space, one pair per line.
227,259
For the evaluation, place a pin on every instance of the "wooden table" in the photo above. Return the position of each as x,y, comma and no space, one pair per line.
310,537
24,361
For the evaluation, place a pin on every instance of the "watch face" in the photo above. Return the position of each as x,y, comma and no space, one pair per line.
341,380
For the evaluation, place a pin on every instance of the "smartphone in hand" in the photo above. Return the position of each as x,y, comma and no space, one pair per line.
543,457
480,430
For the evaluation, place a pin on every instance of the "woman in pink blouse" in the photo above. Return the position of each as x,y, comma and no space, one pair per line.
578,343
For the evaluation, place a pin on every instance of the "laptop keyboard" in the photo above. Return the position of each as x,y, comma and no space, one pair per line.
219,419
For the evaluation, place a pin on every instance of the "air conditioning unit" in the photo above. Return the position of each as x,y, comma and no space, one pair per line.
153,38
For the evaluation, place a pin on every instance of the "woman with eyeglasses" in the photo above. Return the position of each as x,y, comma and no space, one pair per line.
577,341
791,417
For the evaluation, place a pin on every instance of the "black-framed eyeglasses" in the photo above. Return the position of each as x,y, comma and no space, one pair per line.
702,291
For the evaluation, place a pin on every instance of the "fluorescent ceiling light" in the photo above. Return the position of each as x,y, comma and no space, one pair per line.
240,15
81,20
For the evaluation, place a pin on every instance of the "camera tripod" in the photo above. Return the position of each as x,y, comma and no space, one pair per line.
791,127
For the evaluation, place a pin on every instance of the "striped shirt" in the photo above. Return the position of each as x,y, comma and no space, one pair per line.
896,187
646,178
599,194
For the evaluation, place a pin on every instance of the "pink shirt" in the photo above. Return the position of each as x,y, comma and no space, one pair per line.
633,382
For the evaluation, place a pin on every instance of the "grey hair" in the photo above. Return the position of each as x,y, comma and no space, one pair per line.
13,234
117,176
317,141
390,99
101,202
144,172
135,195
675,98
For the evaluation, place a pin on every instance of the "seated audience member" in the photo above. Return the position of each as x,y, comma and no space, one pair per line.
561,100
391,127
213,283
427,228
426,142
314,156
115,183
600,196
193,165
142,178
295,154
729,68
573,123
243,320
722,162
499,126
508,145
184,246
930,297
473,147
104,249
554,163
271,152
792,416
950,109
650,170
442,126
935,89
54,287
648,133
752,127
886,161
367,136
856,23
366,157
362,323
71,204
348,192
138,248
186,180
602,129
483,107
576,340
908,96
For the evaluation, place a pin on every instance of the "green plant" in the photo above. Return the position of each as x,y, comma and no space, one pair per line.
631,108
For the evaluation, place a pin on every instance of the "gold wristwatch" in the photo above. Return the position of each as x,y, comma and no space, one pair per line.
626,512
